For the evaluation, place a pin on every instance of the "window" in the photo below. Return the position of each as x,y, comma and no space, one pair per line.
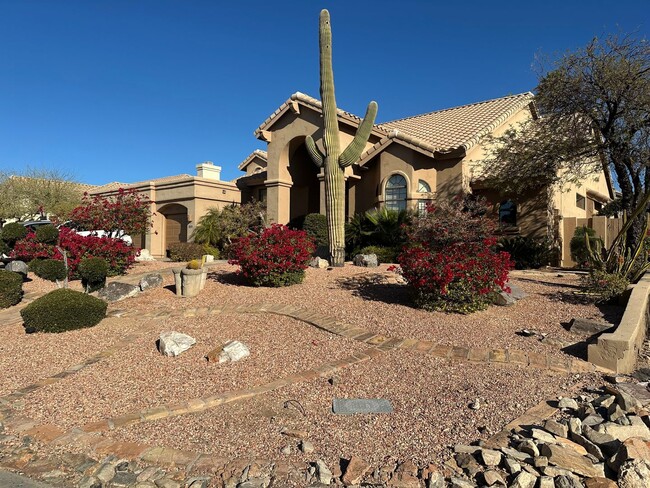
261,195
598,206
581,201
508,213
423,187
396,193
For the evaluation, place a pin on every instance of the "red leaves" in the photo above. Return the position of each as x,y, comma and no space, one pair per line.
276,250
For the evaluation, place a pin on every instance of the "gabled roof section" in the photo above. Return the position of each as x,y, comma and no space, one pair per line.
258,153
301,99
453,129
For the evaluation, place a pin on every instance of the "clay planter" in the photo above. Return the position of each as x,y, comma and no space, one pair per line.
189,282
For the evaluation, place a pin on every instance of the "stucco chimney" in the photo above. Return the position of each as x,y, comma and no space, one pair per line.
208,170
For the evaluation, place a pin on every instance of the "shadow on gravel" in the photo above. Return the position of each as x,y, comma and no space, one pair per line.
611,312
228,278
550,284
376,288
577,350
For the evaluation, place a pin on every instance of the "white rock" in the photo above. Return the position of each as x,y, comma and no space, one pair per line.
234,351
144,255
173,343
324,473
317,262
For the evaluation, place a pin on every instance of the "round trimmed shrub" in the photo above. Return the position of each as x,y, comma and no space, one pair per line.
51,270
47,234
11,288
62,310
185,251
315,225
13,232
4,248
93,272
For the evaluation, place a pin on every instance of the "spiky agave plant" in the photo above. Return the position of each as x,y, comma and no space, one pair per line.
333,160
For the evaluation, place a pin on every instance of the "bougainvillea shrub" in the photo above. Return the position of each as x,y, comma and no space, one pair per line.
125,212
451,261
115,252
277,256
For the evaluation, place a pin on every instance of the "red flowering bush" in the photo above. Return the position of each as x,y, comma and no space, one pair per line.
451,261
277,256
126,212
117,254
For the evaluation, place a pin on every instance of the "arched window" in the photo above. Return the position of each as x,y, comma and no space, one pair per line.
396,193
508,213
423,187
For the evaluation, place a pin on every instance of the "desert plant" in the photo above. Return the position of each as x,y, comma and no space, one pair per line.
194,264
384,254
62,310
580,249
51,270
93,272
211,251
278,256
604,286
315,225
185,251
11,288
451,262
387,226
13,232
47,234
333,160
526,252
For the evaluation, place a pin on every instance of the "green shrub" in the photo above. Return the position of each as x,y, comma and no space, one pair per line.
47,234
578,245
4,248
221,227
51,270
283,279
526,252
93,272
384,254
13,232
212,251
11,288
604,286
315,225
34,264
62,310
185,251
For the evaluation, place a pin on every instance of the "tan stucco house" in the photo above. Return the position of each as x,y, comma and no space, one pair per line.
405,164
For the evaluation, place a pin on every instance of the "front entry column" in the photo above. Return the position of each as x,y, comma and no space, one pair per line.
278,200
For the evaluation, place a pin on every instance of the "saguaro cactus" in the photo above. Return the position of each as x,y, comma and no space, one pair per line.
333,160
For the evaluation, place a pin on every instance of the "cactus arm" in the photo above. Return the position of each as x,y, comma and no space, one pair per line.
316,155
354,150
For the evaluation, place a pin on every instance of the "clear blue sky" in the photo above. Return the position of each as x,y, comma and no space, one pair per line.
127,90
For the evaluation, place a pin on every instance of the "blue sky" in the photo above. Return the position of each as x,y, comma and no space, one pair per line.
127,90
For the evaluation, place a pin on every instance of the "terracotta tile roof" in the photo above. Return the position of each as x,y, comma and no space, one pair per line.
257,153
115,184
452,128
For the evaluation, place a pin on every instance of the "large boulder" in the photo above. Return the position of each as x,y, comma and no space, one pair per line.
366,260
116,291
152,280
509,298
173,343
19,267
588,327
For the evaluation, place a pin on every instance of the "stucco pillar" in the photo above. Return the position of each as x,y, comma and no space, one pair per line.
278,198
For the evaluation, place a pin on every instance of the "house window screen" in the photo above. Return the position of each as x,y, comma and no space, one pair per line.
581,201
396,193
508,213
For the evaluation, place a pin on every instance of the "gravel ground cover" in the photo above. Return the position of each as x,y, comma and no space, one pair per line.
430,398
371,299
139,377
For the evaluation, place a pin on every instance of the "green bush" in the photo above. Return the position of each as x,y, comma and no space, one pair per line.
280,279
47,234
384,254
604,286
51,270
315,225
4,248
34,264
62,310
11,288
212,251
93,272
13,232
185,251
221,227
526,252
578,245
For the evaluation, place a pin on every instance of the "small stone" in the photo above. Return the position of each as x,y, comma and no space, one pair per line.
167,483
546,482
323,472
151,473
366,260
490,457
123,479
286,450
614,412
317,262
592,420
575,426
512,466
19,267
461,483
105,472
634,474
468,463
568,458
492,477
334,380
524,480
604,401
116,291
600,483
588,327
518,455
475,405
173,343
568,403
542,436
540,462
198,482
306,447
150,281
528,447
556,428
567,481
355,471
234,351
89,482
